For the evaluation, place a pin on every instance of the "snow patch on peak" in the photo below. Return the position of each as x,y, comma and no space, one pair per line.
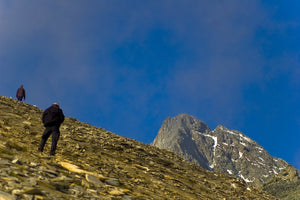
244,144
241,154
214,147
241,136
245,179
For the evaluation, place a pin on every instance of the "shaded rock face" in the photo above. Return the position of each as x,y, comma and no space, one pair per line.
92,163
221,150
178,135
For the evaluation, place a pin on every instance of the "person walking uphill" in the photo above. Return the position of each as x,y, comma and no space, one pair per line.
20,93
52,118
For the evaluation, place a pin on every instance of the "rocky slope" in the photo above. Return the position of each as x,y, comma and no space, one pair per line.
92,163
285,185
221,150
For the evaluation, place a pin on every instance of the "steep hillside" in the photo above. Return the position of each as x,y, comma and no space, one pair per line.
221,150
92,163
285,185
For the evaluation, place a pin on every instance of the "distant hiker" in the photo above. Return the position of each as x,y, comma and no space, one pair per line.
52,118
20,93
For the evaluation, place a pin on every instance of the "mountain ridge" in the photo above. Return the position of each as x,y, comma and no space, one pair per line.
221,150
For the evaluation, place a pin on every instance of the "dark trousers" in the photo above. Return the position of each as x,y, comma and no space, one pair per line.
54,130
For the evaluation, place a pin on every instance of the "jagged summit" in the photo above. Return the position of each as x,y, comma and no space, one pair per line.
221,150
176,134
92,163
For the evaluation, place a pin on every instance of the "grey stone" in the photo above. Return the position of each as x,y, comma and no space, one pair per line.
113,181
94,180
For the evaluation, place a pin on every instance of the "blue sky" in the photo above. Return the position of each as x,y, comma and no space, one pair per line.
128,65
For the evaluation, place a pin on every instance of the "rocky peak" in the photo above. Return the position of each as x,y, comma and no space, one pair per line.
92,163
189,122
242,157
222,150
177,134
186,123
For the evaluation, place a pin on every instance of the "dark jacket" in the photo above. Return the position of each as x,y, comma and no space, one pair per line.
53,116
20,93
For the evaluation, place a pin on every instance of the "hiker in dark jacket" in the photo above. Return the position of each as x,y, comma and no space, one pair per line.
20,93
52,118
